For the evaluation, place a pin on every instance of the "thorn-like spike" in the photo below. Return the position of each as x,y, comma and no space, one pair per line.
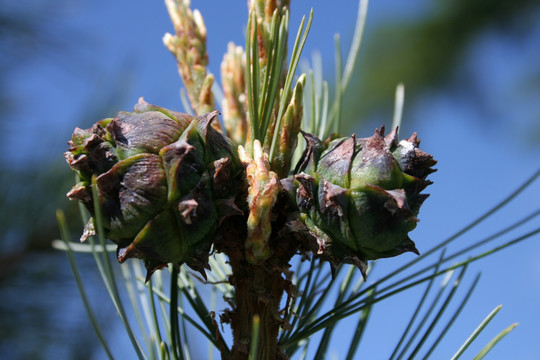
360,264
203,274
122,254
207,119
410,246
311,153
304,178
391,139
80,193
414,140
332,269
199,264
334,199
151,268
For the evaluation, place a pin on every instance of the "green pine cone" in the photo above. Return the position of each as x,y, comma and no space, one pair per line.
165,180
359,198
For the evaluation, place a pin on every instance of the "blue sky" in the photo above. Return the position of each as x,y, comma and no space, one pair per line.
480,161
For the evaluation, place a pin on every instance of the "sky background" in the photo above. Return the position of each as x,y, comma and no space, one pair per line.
481,125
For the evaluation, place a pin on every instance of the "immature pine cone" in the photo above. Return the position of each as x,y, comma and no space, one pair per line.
359,198
165,180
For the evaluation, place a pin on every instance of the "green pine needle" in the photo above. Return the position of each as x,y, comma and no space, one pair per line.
398,107
494,342
298,46
110,279
476,332
417,310
60,217
360,328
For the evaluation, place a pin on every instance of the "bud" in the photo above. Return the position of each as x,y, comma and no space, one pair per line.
289,129
233,69
262,194
188,45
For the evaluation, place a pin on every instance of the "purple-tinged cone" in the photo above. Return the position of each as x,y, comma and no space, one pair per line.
165,180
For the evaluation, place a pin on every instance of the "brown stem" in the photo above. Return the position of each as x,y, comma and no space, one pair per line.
258,291
258,288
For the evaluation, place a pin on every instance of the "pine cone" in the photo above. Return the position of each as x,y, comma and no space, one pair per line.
165,180
359,198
